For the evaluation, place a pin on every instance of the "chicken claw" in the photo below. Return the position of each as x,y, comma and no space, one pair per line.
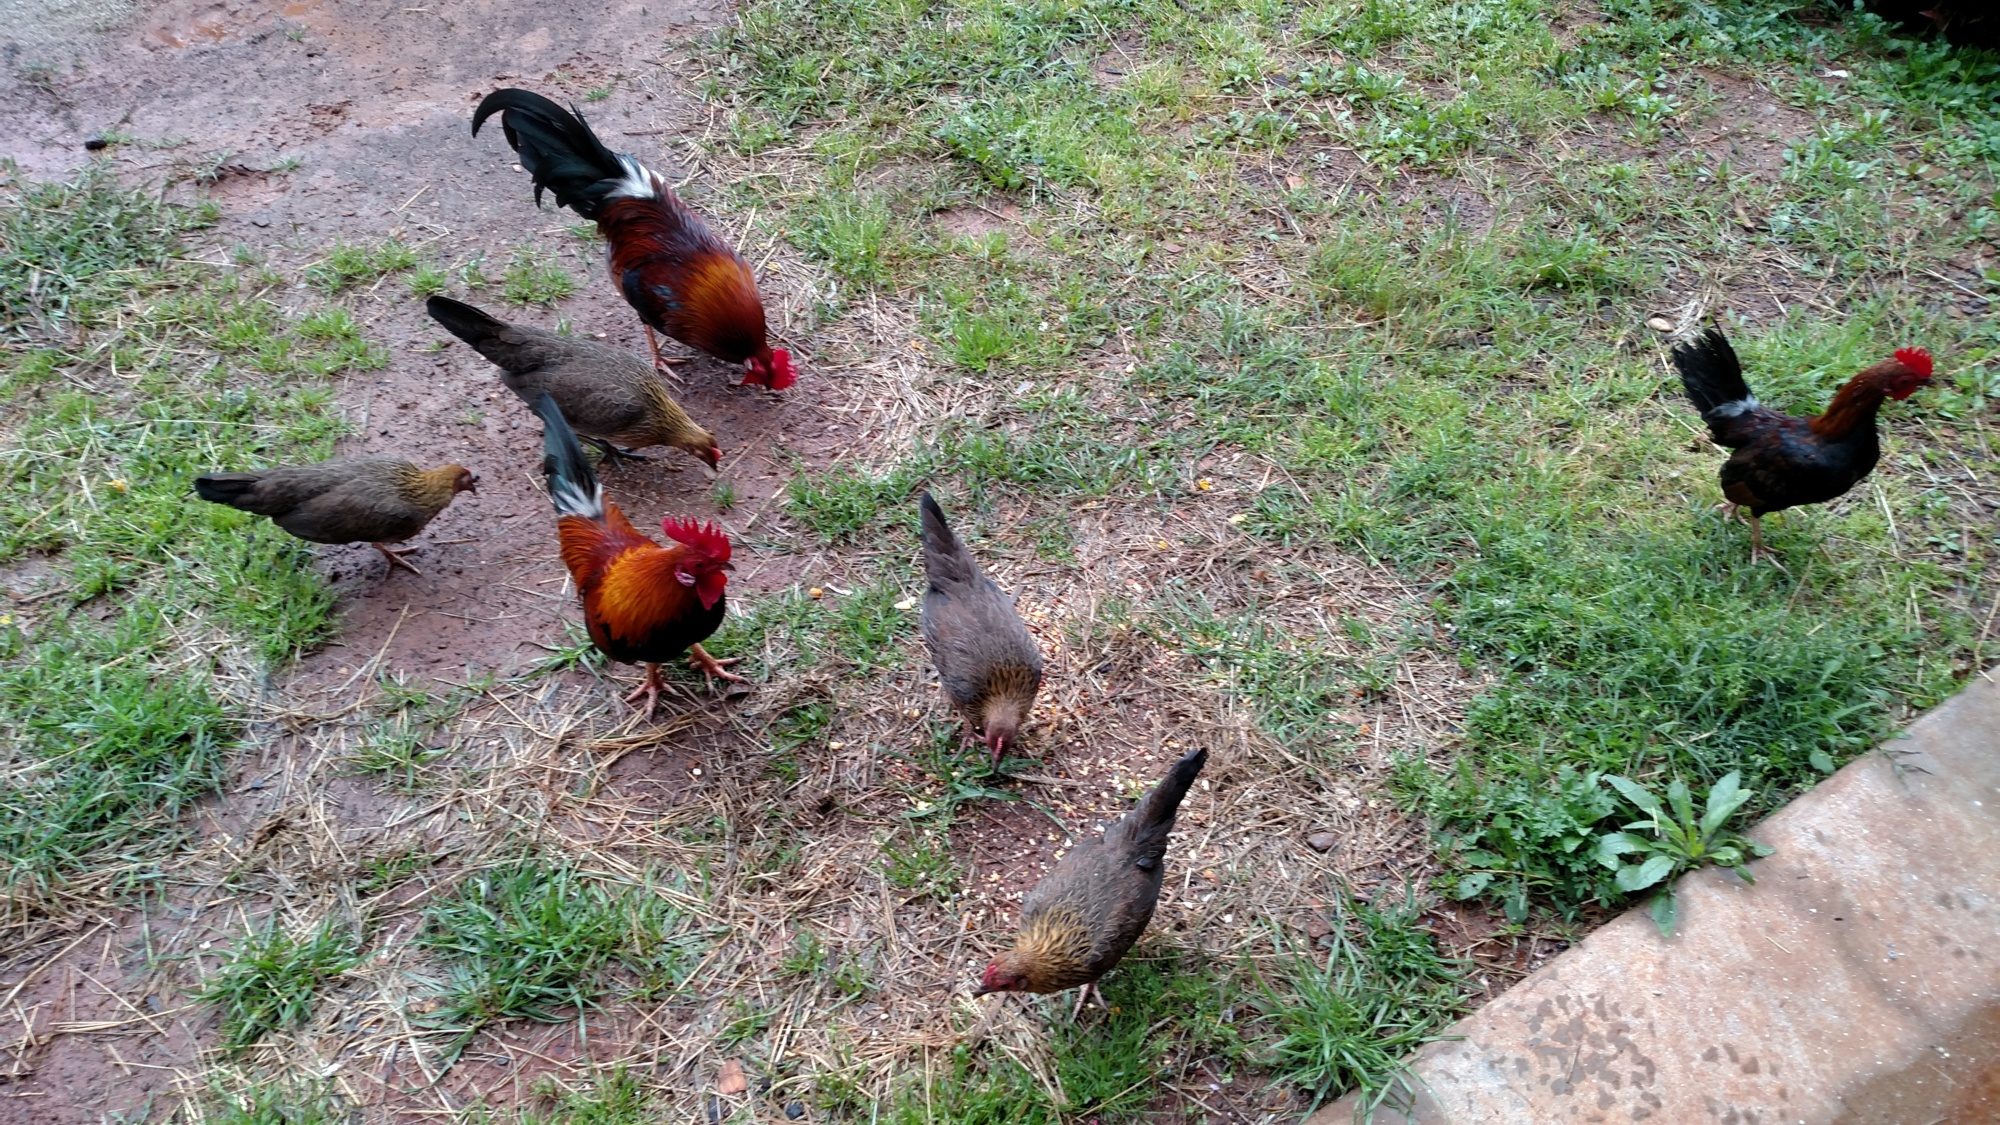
396,558
649,691
1083,996
712,668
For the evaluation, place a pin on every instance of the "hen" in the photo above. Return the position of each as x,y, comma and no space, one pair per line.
608,394
374,500
1082,918
1780,461
987,662
643,603
680,278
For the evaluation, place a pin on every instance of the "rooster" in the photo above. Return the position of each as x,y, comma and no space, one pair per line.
681,278
643,603
1083,917
1780,461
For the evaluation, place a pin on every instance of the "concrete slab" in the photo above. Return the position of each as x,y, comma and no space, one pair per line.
1857,983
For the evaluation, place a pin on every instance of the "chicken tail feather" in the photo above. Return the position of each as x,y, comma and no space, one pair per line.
572,483
1713,378
945,560
484,332
233,489
558,149
1145,829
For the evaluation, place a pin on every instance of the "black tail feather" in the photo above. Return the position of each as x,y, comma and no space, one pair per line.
1710,371
557,148
572,482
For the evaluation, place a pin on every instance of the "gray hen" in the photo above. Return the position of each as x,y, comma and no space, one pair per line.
988,663
608,394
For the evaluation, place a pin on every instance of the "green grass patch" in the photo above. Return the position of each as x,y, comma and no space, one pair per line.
535,941
137,372
272,979
348,265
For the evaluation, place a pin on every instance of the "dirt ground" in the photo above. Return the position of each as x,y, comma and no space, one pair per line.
373,101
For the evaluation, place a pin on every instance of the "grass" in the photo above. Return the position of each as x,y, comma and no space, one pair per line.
271,980
533,279
531,941
150,604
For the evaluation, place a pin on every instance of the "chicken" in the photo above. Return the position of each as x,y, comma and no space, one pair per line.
680,278
607,394
987,662
1082,918
643,603
374,500
1781,461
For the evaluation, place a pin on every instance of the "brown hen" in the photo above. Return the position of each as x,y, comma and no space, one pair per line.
373,499
1083,917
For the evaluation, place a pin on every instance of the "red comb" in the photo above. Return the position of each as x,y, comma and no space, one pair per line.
783,374
705,538
1916,359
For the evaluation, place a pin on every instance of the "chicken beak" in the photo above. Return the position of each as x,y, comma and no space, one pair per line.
980,991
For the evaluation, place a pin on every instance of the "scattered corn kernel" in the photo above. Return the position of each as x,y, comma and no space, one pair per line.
1204,484
1161,545
815,592
118,485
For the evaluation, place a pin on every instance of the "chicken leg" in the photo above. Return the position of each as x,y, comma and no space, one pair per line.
1083,996
649,691
612,453
661,360
712,668
396,558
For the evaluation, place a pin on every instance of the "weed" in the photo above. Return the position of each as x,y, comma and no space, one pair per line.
1347,1023
1678,842
348,265
529,941
428,281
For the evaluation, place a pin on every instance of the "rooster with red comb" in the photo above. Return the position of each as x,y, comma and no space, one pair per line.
1781,461
672,269
643,603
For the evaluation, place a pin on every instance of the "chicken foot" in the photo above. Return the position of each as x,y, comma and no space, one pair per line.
649,691
396,558
712,668
1083,996
1757,552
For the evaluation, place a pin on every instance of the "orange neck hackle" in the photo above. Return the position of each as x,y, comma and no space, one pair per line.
1051,953
671,425
1861,397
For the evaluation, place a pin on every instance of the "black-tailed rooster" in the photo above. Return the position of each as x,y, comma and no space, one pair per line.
681,278
1780,461
643,603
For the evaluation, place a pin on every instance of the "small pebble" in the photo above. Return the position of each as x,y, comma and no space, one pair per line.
794,1110
1321,841
1660,324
